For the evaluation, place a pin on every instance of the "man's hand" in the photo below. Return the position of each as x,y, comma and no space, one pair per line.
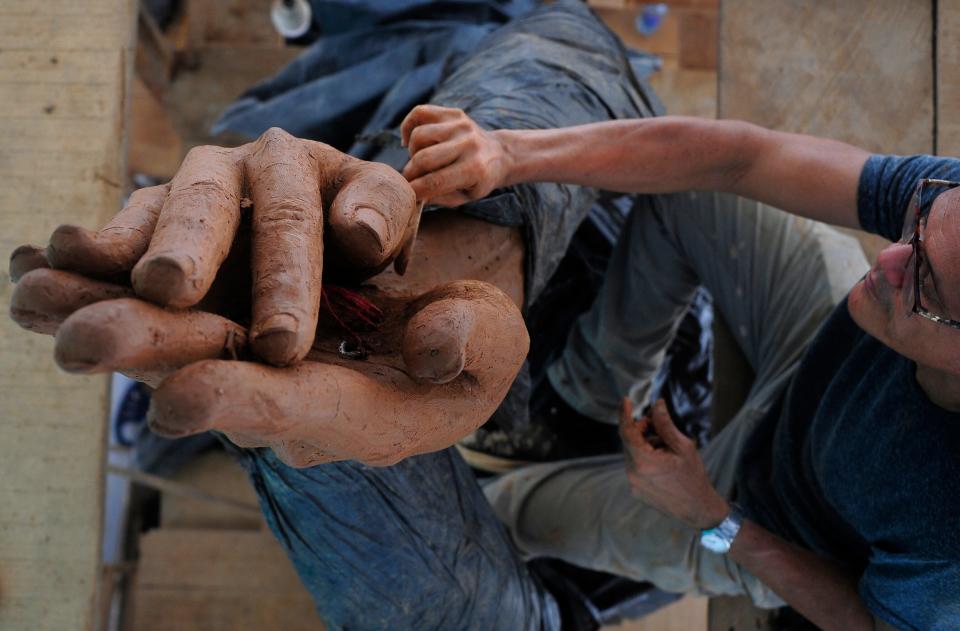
452,160
173,238
665,469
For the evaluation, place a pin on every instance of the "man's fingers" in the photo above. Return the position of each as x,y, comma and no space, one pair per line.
26,258
371,218
287,253
428,135
433,158
426,114
133,335
665,428
44,298
632,432
194,231
447,183
451,201
117,246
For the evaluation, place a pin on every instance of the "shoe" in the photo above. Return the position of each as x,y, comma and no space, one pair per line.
556,432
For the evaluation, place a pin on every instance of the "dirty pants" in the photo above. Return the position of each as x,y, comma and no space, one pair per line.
774,278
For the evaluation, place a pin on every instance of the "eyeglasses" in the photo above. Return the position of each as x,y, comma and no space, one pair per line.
914,227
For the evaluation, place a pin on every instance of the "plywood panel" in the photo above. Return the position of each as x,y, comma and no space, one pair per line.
213,580
860,71
217,473
948,77
64,70
687,614
856,70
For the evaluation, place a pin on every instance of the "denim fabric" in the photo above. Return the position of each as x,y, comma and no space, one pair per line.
411,546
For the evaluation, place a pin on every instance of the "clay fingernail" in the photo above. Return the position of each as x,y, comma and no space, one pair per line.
163,279
65,241
175,419
81,347
26,258
373,223
275,339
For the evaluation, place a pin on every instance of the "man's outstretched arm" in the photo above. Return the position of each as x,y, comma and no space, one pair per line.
453,160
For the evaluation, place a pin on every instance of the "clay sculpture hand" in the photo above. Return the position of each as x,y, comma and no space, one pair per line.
173,238
399,365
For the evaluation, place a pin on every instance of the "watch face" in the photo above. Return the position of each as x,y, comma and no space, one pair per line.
714,542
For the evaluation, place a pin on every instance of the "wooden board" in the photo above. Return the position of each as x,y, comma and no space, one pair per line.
687,614
217,473
155,147
197,97
855,70
218,580
64,71
948,78
737,613
686,43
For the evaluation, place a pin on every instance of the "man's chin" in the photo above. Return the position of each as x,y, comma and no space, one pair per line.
863,306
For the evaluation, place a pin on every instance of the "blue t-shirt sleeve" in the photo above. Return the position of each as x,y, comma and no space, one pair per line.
888,182
910,592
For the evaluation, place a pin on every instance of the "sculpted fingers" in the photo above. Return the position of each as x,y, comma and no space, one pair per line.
287,247
315,412
44,298
118,245
194,231
26,258
373,216
131,335
469,328
256,403
308,413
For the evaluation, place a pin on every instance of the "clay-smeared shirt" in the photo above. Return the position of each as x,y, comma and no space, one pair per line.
856,463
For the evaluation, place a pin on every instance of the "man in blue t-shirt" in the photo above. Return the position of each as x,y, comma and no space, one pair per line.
831,489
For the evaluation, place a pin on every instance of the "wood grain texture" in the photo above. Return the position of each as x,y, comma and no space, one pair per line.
218,473
64,70
948,78
855,70
860,71
687,614
218,580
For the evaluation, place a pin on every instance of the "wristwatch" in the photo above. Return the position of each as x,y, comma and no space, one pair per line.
720,539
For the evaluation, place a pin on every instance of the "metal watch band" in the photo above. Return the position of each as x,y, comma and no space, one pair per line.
720,538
